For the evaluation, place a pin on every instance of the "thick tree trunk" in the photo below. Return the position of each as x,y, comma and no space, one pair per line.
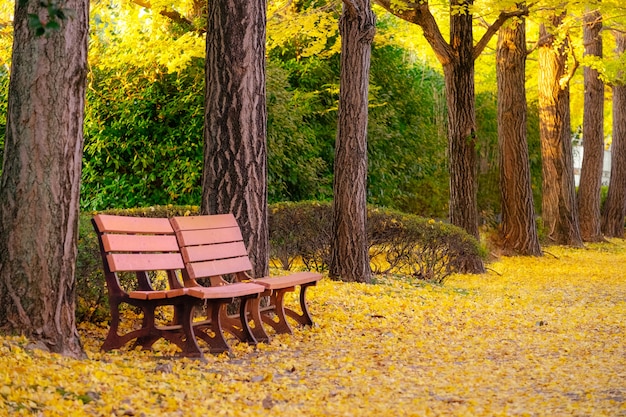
40,188
593,136
615,204
559,209
460,97
519,228
235,153
350,257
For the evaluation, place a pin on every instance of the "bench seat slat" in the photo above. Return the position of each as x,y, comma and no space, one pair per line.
157,294
139,243
144,261
297,278
238,289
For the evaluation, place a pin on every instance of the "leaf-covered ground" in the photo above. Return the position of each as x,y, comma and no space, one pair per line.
532,337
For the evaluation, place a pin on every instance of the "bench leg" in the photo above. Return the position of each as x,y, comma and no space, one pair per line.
189,344
277,299
305,318
254,313
217,343
113,340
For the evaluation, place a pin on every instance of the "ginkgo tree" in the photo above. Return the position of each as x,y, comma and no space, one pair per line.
40,184
457,56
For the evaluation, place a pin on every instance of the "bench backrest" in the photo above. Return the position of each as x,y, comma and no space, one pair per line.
212,247
137,244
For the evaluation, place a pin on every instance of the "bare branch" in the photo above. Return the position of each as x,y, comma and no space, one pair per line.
419,14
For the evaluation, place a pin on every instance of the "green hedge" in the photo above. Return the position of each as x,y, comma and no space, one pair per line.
398,243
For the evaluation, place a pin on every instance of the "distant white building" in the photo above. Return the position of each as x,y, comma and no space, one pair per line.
578,151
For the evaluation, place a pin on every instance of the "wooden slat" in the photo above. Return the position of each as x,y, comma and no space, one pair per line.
158,294
208,237
213,252
126,224
139,243
288,281
144,262
219,267
215,221
226,291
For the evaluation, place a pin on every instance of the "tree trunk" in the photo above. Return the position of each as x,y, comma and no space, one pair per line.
350,258
615,204
593,135
40,188
519,228
235,153
463,156
559,209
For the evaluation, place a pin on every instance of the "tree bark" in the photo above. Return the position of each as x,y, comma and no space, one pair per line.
235,150
559,209
350,257
615,204
519,229
460,97
593,135
462,152
40,185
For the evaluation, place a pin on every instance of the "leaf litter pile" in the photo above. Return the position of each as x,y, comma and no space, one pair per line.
532,337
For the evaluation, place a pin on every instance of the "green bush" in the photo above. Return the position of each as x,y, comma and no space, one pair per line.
399,243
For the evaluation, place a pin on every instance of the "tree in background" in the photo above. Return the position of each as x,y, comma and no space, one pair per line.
235,130
518,233
559,209
593,132
350,258
457,57
40,185
615,205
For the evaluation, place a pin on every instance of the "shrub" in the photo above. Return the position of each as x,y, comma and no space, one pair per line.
399,243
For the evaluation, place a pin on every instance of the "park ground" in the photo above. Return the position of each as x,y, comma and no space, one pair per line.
531,337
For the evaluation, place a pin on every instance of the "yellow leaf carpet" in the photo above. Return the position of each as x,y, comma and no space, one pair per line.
532,337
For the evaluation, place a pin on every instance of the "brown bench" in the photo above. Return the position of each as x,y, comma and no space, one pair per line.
212,247
143,246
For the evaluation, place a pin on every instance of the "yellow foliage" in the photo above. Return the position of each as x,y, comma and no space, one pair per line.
534,336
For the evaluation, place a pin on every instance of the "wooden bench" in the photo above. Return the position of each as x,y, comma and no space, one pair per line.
212,247
143,246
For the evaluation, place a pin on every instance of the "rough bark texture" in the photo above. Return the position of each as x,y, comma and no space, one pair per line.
235,153
615,204
519,229
559,209
350,257
459,80
40,185
593,136
462,152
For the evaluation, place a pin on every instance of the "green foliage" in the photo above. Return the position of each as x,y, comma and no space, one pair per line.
407,135
398,243
143,139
